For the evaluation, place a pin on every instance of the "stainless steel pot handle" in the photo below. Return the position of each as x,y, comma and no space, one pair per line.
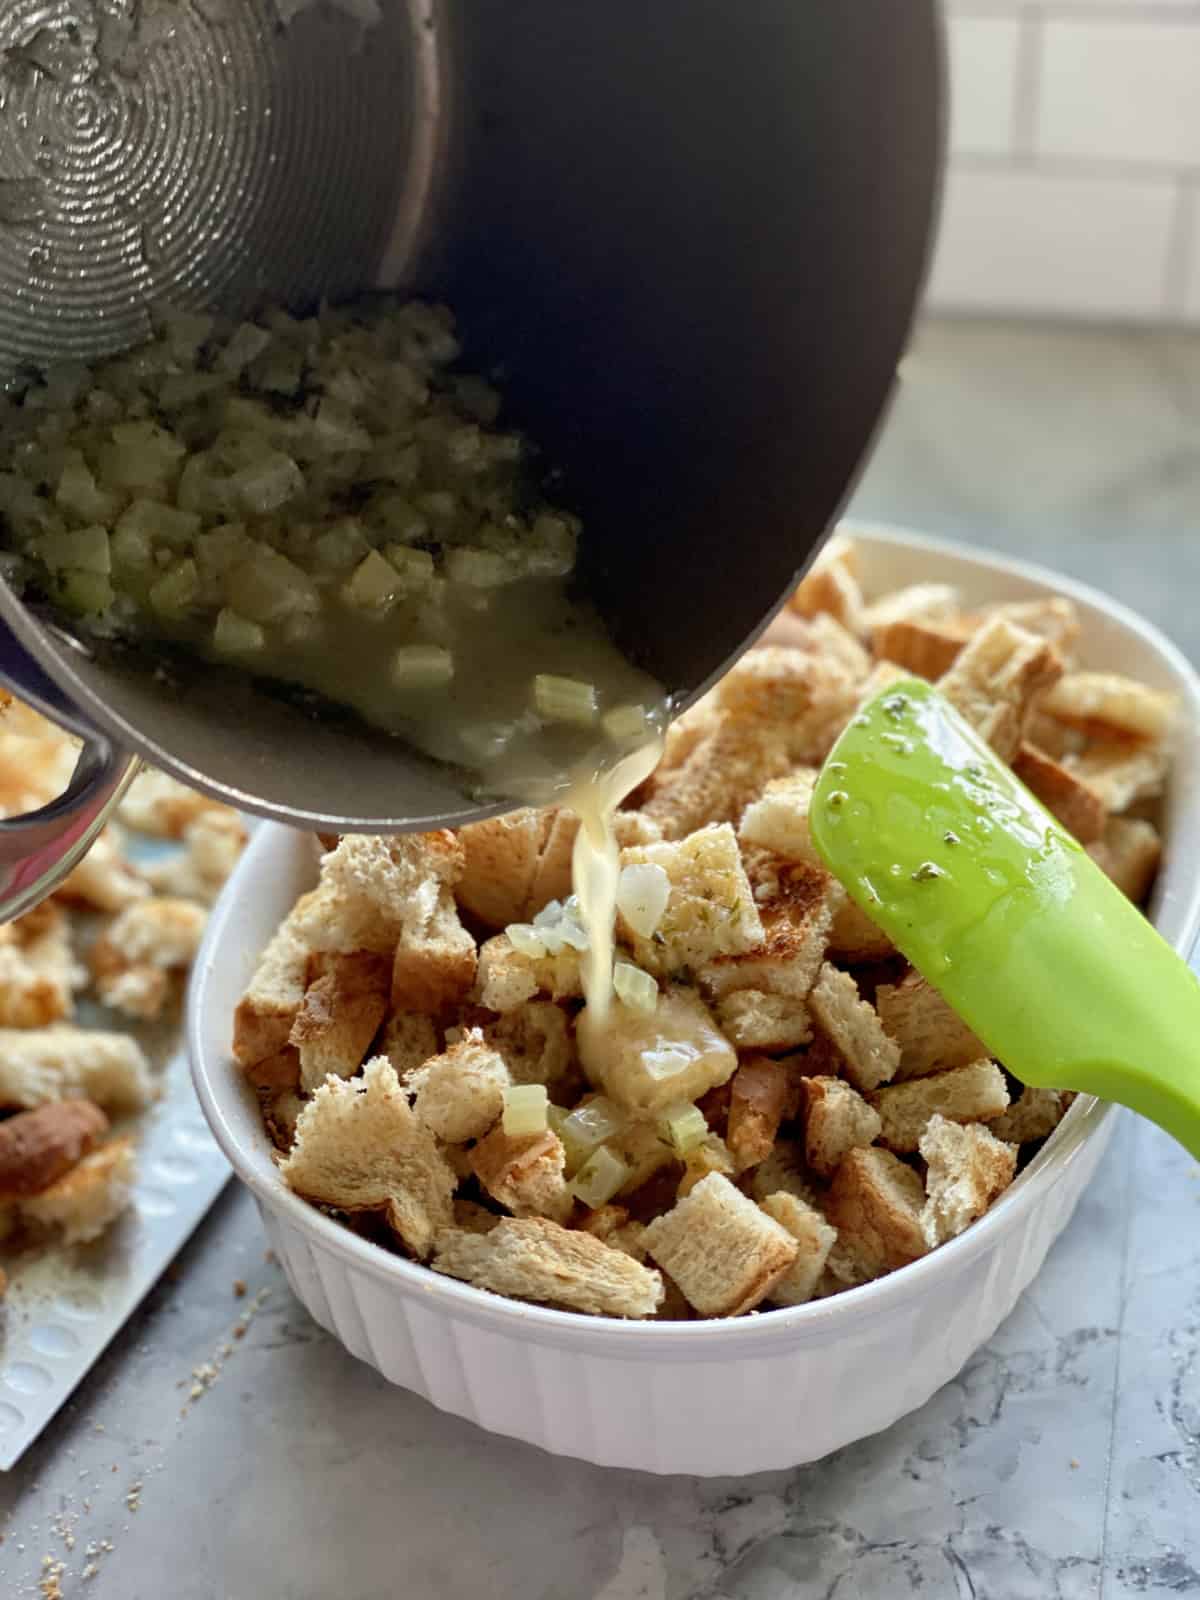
39,849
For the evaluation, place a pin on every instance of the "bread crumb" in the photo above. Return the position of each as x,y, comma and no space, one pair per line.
239,1288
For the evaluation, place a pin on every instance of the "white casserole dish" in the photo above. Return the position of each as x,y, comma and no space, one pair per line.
710,1398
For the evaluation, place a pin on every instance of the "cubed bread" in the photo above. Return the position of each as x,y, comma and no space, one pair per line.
506,978
710,910
533,1259
37,1147
727,767
500,860
751,1019
212,845
281,1110
966,1169
796,920
88,1199
784,1169
867,1054
134,957
814,1238
963,1094
38,970
645,1061
460,1093
931,603
161,806
1122,772
930,1034
376,891
553,876
725,1254
104,880
535,1042
1128,853
408,1040
63,1062
996,681
801,694
711,1155
926,649
778,819
1052,618
340,1016
359,1147
612,1225
266,1012
1105,704
836,1120
524,1174
1063,792
1034,1114
831,586
758,1098
434,966
875,1204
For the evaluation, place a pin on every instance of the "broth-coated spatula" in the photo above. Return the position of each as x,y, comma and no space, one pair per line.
1001,910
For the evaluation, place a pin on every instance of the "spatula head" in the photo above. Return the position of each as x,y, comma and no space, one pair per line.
998,907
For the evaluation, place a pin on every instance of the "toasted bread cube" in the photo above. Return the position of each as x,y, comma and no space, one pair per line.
710,910
38,1147
1034,1114
1052,618
611,1224
339,1017
1121,772
778,819
266,1012
471,1217
460,1093
686,731
751,1019
968,1167
408,1040
159,805
836,1119
553,877
724,1253
281,1110
63,1062
140,947
535,1042
925,649
212,845
831,585
376,891
358,1147
434,968
1107,705
973,1093
80,1205
533,1259
276,1073
869,1057
801,694
796,921
875,1204
1062,791
930,1034
501,857
712,1155
853,937
646,1061
524,1173
38,970
725,769
918,602
784,1169
506,978
1128,853
104,880
759,1092
814,1238
997,679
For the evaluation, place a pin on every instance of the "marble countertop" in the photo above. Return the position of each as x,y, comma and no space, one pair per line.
1063,1463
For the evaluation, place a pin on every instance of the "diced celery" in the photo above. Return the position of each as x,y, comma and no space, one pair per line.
525,1108
79,494
374,585
484,569
205,486
588,1125
84,549
267,587
625,722
176,591
600,1177
635,988
236,636
643,890
414,566
564,699
335,429
341,546
422,666
150,439
245,345
132,550
160,522
268,484
85,593
684,1128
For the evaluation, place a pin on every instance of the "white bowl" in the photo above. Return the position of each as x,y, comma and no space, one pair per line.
763,1392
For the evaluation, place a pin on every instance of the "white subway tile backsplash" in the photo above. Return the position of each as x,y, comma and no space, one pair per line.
1039,243
1125,90
983,83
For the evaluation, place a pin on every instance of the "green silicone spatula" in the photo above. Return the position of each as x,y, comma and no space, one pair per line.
998,907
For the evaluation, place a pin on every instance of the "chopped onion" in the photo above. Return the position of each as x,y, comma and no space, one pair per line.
526,940
635,988
600,1177
643,890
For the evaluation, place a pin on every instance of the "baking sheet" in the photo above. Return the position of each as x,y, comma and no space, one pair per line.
63,1306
